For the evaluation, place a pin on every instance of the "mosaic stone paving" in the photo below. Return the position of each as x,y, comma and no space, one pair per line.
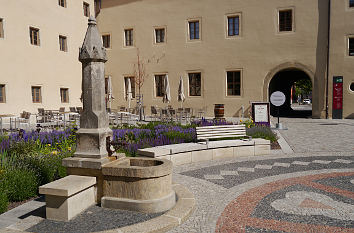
302,204
230,175
281,194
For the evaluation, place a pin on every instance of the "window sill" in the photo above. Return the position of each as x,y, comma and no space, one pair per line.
285,32
194,41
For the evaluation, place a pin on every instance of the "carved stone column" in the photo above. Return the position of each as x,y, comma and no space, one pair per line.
91,151
94,128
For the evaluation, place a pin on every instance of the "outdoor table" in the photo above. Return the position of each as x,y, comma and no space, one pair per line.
5,116
121,116
64,114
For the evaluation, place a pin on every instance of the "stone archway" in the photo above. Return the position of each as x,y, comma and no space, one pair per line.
281,78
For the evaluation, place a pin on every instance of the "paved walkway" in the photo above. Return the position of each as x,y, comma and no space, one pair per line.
309,190
307,187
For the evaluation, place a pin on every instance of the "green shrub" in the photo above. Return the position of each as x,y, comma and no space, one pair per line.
22,147
261,132
3,201
19,184
249,123
47,167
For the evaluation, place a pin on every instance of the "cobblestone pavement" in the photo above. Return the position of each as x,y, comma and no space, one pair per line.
315,135
311,190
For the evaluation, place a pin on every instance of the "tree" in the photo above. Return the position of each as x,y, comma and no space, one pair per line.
140,76
139,72
303,87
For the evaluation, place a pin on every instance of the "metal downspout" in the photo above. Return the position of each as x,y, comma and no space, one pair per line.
327,65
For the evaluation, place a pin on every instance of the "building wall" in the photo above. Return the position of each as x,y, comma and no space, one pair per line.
259,52
23,65
341,64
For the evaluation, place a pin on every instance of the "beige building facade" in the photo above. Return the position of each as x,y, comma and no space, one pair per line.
230,52
39,45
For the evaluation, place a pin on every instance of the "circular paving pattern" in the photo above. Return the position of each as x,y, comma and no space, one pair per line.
298,193
314,203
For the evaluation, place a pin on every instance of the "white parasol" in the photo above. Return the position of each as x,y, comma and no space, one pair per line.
167,93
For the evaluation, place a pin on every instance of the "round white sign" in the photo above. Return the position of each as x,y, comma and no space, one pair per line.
277,98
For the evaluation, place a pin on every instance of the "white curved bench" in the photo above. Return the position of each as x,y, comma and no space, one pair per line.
195,152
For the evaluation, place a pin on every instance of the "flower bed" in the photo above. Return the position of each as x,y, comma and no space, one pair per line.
33,159
30,159
129,140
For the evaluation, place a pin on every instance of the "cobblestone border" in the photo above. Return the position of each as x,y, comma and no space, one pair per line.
177,215
184,207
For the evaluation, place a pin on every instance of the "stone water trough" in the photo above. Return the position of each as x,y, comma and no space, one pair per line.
138,184
94,176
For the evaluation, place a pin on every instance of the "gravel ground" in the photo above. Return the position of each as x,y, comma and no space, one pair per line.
93,219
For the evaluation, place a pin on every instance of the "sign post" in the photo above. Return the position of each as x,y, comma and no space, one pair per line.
337,112
260,113
278,99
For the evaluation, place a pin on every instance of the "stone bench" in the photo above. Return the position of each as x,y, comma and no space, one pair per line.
195,152
69,196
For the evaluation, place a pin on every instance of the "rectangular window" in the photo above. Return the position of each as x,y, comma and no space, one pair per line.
159,35
1,28
106,39
194,30
2,93
195,84
36,94
34,36
285,20
128,34
351,46
233,83
351,3
64,95
159,83
132,83
63,43
233,25
62,3
86,9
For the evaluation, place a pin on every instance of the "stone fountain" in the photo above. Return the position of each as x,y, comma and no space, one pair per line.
139,184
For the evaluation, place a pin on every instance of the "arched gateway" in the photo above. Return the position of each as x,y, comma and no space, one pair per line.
282,78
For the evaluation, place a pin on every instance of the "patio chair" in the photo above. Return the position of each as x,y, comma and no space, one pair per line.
73,115
79,110
122,109
179,114
164,115
154,112
188,113
201,112
24,120
172,113
41,117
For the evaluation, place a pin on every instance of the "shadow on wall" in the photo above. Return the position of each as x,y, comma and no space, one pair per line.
351,116
113,3
247,112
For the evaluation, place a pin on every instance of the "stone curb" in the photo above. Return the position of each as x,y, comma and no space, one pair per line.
285,147
177,215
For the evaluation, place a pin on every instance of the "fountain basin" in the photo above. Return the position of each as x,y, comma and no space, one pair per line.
138,184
